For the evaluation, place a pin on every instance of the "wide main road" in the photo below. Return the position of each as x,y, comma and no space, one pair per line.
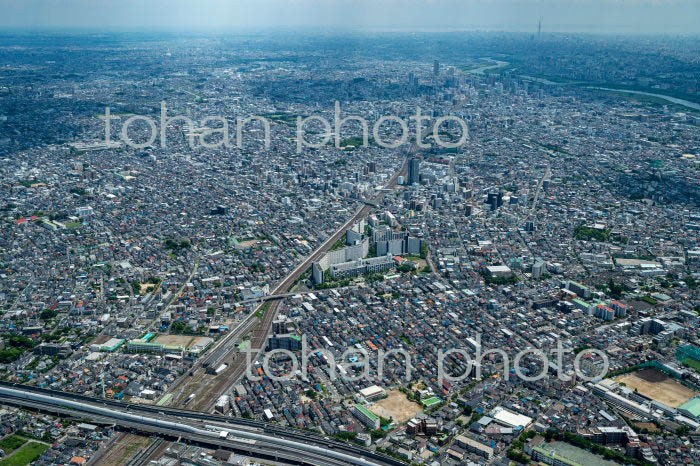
206,387
238,365
213,431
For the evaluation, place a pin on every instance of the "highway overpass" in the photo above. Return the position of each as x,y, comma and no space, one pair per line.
254,438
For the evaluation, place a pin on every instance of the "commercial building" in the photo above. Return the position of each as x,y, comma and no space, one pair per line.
509,418
499,271
287,341
413,171
255,292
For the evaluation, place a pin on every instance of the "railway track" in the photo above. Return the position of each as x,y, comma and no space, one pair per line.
176,423
210,387
142,457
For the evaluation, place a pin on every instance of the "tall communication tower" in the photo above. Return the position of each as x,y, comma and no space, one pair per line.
539,28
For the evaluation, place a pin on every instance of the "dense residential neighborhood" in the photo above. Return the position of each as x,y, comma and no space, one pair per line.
530,295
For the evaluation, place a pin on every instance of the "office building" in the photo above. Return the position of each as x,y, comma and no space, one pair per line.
287,341
413,171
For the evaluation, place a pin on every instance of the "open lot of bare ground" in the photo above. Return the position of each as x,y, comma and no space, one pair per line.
248,243
396,406
146,287
650,426
181,340
100,339
657,386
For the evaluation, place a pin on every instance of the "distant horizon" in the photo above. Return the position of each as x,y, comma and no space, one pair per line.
628,17
328,31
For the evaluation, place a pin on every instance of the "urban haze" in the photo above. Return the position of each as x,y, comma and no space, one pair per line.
374,233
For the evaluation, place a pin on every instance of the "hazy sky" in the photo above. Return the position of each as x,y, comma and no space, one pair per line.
642,16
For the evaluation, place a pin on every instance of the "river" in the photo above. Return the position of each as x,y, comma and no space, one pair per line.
675,100
481,69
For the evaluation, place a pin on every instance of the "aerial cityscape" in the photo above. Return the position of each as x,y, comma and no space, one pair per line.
315,247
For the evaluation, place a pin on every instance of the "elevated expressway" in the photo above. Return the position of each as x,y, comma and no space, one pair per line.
252,438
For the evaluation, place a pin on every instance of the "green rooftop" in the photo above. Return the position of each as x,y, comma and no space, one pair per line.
141,342
551,454
173,347
367,413
572,455
432,401
692,406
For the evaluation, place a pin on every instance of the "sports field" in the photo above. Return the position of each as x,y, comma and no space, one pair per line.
396,406
175,340
657,386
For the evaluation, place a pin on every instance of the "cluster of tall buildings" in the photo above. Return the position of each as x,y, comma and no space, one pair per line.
413,171
396,243
352,260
